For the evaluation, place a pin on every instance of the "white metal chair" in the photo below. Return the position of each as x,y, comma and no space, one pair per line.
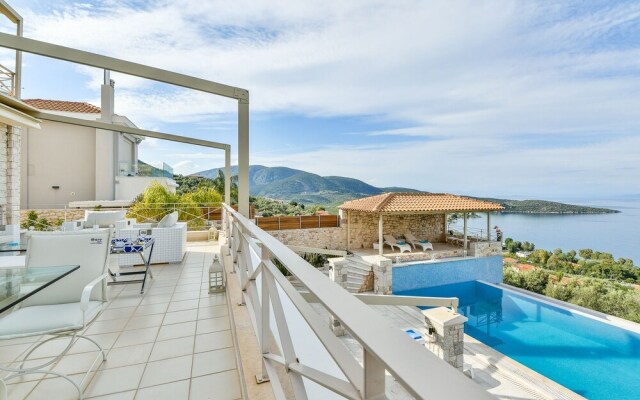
66,307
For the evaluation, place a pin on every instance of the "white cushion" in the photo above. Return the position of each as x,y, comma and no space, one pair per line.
169,220
85,248
39,320
104,219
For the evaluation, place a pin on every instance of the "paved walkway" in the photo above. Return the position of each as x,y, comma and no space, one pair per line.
174,342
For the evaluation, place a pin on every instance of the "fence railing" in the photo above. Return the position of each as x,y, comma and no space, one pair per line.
473,234
265,291
298,222
197,216
7,80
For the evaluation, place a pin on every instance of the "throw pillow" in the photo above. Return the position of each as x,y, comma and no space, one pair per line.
168,220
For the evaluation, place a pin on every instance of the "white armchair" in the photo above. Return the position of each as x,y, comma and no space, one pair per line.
103,219
170,243
66,307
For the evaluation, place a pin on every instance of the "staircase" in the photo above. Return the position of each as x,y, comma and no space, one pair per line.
359,275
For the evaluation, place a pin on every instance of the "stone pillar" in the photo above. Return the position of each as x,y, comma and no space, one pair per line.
13,177
382,276
446,335
4,210
338,271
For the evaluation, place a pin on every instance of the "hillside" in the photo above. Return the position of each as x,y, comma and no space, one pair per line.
305,187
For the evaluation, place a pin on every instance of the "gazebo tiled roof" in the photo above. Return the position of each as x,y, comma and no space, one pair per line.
416,202
61,105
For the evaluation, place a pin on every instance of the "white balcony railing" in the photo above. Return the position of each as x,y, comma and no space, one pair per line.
7,80
277,308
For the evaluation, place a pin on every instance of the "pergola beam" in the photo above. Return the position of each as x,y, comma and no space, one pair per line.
127,129
126,67
32,46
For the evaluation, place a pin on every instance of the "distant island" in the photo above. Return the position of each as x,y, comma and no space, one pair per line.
546,207
294,185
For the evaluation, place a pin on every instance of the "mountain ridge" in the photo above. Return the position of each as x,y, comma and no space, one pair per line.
289,184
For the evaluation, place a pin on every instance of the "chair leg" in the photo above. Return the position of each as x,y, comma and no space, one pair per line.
55,359
15,372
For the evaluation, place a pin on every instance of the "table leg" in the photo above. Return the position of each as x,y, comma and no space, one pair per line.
147,266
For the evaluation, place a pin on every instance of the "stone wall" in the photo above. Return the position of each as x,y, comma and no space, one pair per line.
322,238
485,249
54,215
363,231
10,174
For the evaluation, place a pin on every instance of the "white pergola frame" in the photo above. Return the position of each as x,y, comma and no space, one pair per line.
21,44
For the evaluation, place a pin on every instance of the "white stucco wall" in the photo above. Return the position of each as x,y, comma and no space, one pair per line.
57,155
128,187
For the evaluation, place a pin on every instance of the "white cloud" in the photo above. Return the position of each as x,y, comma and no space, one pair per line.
473,75
455,67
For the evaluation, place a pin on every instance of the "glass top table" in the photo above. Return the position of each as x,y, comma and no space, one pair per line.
19,283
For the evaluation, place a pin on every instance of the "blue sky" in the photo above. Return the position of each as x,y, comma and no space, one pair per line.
531,99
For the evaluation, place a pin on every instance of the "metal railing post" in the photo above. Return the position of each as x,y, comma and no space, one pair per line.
374,378
265,328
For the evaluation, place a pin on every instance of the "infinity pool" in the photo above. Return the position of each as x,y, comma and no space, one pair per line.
594,359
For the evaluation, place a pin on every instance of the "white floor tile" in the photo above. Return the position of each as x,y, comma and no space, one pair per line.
177,330
165,371
137,336
222,386
130,355
212,325
213,362
172,348
168,391
213,341
115,380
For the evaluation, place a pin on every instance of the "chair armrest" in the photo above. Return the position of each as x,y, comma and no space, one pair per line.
86,292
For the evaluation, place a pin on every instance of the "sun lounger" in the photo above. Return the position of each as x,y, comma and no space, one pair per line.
392,242
413,241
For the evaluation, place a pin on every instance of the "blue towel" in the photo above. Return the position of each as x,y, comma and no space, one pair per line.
400,243
413,334
424,241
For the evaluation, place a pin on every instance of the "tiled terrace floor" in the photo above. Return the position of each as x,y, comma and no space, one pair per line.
174,342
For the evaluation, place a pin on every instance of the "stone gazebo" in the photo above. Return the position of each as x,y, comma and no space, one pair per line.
423,214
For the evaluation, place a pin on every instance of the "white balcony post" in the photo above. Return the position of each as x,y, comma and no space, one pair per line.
227,175
373,378
243,157
265,329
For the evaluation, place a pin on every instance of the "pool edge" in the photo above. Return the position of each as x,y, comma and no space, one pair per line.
513,368
583,311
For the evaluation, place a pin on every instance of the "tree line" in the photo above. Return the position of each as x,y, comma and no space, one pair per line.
587,278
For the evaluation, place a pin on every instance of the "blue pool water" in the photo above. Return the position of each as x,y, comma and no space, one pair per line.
592,358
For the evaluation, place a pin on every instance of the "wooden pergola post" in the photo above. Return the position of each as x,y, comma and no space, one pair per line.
380,230
488,227
465,235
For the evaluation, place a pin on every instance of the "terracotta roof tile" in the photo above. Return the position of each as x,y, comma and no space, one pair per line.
60,105
419,202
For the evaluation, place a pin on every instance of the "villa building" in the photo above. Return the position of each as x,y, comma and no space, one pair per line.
90,164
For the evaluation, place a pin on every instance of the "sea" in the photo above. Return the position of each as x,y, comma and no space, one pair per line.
618,234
